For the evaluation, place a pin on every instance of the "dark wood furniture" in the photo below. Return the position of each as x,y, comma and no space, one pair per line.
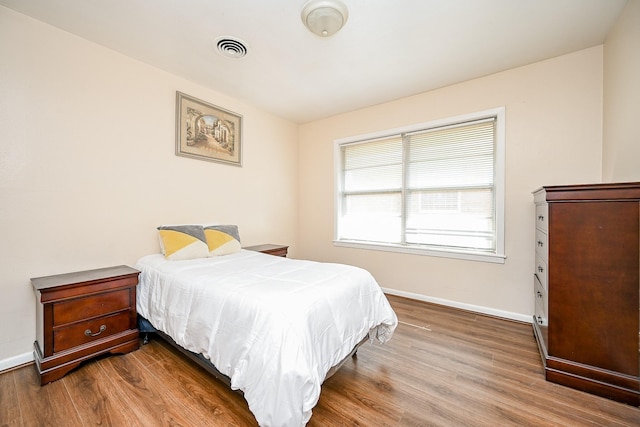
82,315
587,287
277,250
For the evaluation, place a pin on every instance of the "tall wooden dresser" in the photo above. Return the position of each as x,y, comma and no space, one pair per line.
587,287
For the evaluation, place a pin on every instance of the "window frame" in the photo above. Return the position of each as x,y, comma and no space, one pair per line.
499,188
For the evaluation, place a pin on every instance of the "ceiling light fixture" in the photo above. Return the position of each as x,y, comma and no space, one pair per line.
324,17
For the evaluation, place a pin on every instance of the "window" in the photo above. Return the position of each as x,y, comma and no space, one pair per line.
434,188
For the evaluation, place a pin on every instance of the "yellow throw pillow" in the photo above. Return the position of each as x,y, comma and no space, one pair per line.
180,242
222,239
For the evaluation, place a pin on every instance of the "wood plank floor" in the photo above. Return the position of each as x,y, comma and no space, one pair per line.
443,367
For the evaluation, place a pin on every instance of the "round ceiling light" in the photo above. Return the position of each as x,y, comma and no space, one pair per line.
231,47
324,17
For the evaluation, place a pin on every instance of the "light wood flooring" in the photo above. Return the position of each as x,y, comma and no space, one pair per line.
443,367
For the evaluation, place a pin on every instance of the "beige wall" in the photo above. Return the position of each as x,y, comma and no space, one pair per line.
621,145
87,167
553,136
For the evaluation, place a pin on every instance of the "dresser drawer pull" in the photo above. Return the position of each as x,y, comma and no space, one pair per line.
540,243
90,334
540,269
539,294
539,319
541,218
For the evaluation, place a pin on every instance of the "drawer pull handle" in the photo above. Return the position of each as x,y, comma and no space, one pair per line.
539,294
540,218
539,319
540,243
90,334
540,269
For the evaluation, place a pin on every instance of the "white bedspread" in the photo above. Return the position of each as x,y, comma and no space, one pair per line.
274,325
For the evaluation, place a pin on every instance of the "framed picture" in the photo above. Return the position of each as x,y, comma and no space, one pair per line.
207,132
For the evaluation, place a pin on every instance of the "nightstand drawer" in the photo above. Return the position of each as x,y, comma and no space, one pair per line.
282,252
91,330
89,307
276,250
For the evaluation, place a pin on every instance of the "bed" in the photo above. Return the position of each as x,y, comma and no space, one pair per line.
275,328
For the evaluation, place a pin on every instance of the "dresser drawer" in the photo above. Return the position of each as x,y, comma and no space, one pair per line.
91,306
540,313
541,301
542,245
541,271
541,318
91,330
542,216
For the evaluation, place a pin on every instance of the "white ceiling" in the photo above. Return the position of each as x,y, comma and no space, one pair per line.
387,50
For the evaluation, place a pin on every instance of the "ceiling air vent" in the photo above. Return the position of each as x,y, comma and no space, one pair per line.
231,47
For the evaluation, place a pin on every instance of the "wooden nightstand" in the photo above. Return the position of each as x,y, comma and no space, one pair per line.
277,250
82,315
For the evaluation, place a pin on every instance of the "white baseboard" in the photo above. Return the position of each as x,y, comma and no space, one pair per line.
468,307
15,361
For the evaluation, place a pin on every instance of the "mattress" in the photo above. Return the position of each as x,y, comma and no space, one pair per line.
275,326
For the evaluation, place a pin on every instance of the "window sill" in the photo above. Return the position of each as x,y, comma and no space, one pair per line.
469,256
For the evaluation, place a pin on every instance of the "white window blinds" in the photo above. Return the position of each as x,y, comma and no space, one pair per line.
372,195
449,191
432,188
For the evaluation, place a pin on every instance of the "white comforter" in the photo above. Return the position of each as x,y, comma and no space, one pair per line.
274,325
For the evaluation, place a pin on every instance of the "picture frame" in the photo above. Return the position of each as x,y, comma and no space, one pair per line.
207,132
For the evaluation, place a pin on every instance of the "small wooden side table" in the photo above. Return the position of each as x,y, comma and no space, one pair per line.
82,315
277,250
